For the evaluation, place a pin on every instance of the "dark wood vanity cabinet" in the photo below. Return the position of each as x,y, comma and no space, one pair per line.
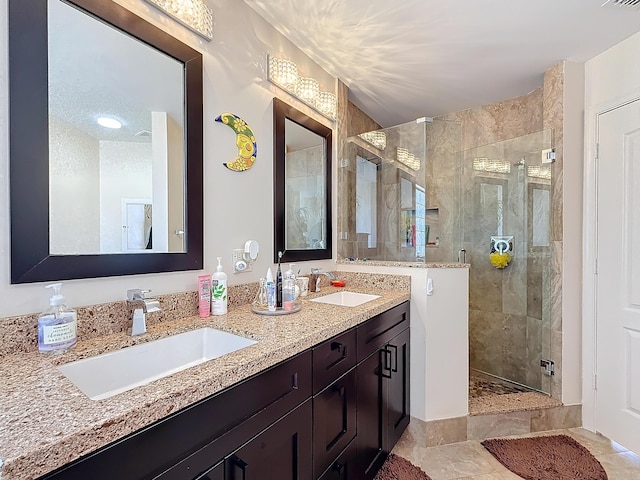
332,412
383,387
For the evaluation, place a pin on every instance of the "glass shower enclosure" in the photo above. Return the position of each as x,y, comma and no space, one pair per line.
410,194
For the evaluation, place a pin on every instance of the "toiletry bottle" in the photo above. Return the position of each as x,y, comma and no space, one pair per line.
271,292
314,280
219,291
279,283
57,327
290,290
204,295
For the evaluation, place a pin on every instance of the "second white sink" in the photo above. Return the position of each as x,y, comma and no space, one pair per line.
106,375
346,299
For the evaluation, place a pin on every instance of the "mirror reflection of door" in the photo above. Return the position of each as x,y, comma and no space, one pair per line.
305,188
116,130
137,233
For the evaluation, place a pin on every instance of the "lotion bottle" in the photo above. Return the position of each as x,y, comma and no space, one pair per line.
58,326
219,291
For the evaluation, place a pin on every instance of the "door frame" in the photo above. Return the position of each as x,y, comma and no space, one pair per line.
589,250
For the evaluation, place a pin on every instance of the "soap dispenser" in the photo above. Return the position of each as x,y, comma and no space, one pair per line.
219,291
58,326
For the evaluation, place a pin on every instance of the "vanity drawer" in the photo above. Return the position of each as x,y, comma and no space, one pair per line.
333,358
377,331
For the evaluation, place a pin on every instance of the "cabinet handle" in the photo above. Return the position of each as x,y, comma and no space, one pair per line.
384,363
295,381
342,348
340,390
241,464
395,357
337,467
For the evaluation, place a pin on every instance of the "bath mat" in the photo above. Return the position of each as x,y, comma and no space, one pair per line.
556,457
398,468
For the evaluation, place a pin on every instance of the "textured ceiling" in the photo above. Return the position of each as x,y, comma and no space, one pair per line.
404,59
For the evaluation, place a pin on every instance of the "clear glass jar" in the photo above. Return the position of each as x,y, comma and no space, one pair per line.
260,301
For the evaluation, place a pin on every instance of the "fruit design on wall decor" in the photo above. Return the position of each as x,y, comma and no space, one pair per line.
245,140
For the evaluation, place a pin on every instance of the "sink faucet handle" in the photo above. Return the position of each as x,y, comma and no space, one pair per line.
135,294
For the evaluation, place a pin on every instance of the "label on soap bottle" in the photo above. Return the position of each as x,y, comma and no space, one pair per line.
60,333
218,296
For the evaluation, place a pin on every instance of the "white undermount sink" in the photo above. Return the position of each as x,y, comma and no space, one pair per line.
115,372
346,299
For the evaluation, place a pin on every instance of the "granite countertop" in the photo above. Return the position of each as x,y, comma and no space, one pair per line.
47,421
395,263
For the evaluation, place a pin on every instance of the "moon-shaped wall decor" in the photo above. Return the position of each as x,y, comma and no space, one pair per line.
245,140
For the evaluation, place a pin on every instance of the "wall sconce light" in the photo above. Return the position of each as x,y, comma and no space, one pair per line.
284,74
193,14
537,171
377,139
484,164
409,159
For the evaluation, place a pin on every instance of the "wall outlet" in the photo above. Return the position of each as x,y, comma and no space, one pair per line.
240,265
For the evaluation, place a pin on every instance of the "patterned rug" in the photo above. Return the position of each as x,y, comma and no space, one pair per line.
398,468
556,457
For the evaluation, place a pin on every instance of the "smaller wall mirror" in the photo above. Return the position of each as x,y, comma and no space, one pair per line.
302,185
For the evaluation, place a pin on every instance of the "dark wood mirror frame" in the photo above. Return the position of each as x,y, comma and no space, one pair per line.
282,112
29,149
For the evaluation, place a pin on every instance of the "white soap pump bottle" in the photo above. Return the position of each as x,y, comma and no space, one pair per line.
219,291
57,326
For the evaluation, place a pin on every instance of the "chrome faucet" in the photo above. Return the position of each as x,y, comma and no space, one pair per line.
138,297
314,279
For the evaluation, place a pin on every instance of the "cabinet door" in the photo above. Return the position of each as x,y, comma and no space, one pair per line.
334,421
398,384
281,452
372,416
216,473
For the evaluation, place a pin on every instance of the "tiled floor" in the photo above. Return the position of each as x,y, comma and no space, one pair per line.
482,386
470,461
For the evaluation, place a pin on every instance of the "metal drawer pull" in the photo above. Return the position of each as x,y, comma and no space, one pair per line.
395,357
295,381
337,467
342,348
241,464
340,390
385,361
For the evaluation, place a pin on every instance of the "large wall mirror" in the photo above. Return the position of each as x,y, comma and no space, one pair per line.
302,190
105,143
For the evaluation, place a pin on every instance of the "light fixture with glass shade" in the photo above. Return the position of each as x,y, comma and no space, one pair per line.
377,138
284,74
403,155
484,164
193,14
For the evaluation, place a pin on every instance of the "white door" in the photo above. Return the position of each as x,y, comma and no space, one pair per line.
136,224
618,279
